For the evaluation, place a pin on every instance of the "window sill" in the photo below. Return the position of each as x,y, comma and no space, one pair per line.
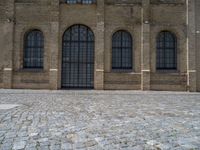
122,71
131,72
77,3
32,70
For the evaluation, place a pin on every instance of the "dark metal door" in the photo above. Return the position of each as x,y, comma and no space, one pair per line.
78,58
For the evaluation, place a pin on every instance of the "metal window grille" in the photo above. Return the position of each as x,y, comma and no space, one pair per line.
33,50
166,51
122,51
78,58
80,1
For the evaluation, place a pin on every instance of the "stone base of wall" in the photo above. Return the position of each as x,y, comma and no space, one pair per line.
30,80
31,86
1,79
112,81
1,85
122,81
169,82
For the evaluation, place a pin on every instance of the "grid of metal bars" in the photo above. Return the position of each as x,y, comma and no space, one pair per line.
33,50
80,1
122,51
166,51
78,58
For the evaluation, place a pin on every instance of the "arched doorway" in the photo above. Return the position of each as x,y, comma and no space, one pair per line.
78,57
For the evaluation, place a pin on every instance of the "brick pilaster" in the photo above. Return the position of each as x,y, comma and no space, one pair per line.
54,45
191,51
9,44
145,72
99,48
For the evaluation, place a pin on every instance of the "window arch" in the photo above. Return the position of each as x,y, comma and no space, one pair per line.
33,49
166,51
122,50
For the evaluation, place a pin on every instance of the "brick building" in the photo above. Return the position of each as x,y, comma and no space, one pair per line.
100,44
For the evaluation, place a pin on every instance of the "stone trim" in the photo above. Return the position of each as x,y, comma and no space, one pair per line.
53,70
7,69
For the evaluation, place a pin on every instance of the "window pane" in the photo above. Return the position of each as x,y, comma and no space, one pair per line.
122,50
166,51
33,49
78,53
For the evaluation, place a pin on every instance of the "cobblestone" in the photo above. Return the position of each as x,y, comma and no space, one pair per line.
99,120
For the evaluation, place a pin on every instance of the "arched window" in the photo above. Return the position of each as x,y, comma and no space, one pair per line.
78,61
166,51
33,49
121,51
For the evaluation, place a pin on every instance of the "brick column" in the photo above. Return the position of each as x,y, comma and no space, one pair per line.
54,45
191,51
99,47
8,44
145,72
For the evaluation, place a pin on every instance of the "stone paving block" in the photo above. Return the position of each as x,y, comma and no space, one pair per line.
129,120
66,146
19,145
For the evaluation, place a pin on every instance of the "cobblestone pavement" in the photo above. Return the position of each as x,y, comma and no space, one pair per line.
99,120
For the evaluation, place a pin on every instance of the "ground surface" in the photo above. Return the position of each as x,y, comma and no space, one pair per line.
97,120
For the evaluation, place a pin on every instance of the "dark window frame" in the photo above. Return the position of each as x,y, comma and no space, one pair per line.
118,65
33,50
162,61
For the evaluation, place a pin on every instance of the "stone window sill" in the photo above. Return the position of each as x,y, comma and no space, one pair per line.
32,70
78,3
122,71
125,72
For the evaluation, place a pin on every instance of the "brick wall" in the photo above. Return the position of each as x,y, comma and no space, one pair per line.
198,43
53,18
